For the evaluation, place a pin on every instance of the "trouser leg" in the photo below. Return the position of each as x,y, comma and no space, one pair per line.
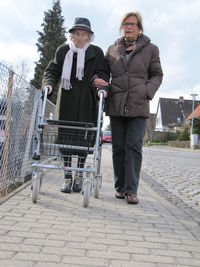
134,141
66,187
68,163
118,152
81,163
63,136
78,180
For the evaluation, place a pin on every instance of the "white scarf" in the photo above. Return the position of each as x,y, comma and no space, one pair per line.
67,66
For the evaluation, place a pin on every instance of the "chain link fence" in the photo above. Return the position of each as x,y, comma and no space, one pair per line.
20,105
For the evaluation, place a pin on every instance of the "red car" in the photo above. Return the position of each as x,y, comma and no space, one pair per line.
106,137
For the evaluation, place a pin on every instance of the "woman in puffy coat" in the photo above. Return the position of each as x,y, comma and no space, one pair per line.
80,67
136,75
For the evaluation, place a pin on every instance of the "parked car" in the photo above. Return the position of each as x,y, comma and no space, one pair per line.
106,137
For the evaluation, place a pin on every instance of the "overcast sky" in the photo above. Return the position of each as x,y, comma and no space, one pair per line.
173,25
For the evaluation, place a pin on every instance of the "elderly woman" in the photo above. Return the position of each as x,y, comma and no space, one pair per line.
136,76
81,68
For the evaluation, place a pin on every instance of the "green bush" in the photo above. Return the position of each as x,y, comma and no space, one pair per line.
196,129
171,136
184,135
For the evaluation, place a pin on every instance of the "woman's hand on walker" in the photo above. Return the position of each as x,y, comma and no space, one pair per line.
49,87
98,82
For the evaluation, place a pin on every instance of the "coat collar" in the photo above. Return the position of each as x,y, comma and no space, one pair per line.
119,47
90,52
142,41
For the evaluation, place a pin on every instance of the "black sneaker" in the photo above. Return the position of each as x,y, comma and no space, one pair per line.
67,185
78,182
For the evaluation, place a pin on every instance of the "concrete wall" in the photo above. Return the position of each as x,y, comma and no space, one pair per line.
181,144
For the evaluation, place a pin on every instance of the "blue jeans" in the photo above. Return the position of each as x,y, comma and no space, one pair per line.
127,142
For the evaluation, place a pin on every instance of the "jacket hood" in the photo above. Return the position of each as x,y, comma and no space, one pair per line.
142,40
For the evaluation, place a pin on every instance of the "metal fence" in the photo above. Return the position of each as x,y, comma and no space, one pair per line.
20,105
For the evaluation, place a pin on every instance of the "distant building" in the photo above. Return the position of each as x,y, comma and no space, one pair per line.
172,114
196,113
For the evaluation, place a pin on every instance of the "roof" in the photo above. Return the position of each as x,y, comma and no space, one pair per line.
195,114
175,111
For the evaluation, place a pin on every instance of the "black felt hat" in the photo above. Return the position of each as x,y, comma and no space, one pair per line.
81,23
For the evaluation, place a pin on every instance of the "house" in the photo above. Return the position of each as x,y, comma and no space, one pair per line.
196,113
172,113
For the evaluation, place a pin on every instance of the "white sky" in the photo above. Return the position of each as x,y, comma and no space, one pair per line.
173,25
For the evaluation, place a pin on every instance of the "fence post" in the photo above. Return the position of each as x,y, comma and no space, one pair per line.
36,103
7,134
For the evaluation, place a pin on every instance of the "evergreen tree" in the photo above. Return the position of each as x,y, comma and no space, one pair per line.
50,38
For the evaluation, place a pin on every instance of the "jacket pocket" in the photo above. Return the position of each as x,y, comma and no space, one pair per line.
139,93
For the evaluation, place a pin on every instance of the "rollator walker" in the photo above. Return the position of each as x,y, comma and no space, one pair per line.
68,140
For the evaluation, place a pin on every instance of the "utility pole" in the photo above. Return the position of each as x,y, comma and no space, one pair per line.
193,137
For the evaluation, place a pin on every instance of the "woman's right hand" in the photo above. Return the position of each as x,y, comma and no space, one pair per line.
98,82
49,87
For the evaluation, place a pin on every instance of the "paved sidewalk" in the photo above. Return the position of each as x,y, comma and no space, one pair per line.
58,231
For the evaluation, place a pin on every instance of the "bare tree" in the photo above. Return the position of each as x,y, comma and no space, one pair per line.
21,66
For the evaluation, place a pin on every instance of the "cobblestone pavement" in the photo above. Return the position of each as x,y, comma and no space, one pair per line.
57,231
177,170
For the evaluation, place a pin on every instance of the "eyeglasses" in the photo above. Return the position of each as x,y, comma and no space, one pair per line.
130,24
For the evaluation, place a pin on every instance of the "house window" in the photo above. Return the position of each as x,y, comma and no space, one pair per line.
178,120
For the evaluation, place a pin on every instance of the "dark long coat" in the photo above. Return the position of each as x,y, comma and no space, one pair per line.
80,103
134,82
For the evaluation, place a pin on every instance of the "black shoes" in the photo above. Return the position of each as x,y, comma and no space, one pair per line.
78,182
130,198
120,195
77,185
67,185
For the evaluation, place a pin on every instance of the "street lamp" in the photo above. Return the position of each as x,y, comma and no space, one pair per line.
193,143
193,99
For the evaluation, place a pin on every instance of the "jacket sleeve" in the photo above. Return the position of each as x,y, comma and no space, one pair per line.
155,74
53,71
102,69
